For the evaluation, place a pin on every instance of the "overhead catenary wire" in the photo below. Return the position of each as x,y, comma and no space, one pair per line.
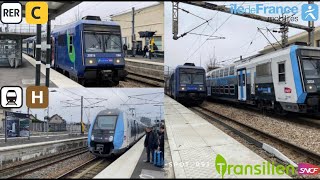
255,38
208,38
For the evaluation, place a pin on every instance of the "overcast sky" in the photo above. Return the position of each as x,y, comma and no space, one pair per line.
143,100
238,31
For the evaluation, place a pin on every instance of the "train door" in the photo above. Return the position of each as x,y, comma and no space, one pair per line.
242,84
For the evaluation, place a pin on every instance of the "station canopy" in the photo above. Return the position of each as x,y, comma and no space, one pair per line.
56,8
147,34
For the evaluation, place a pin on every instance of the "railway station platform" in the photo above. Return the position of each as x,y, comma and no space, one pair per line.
57,78
140,58
195,143
131,165
13,141
24,75
16,151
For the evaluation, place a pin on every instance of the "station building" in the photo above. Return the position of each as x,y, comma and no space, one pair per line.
149,18
57,123
301,37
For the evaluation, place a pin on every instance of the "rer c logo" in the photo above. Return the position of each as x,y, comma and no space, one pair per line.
37,97
37,12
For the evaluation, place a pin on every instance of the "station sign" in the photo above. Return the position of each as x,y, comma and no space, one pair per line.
35,12
17,125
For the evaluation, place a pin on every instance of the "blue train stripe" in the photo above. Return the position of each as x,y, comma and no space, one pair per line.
119,132
296,75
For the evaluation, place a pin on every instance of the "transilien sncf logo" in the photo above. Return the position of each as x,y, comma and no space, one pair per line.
266,168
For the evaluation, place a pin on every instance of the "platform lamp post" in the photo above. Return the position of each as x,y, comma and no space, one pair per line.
160,105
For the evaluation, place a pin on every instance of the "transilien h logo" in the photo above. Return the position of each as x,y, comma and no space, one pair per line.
221,165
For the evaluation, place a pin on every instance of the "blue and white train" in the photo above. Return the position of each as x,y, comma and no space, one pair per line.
112,132
286,80
187,84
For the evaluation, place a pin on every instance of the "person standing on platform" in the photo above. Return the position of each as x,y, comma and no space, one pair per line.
161,142
145,50
125,50
150,143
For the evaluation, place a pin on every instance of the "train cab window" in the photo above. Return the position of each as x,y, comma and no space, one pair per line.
225,73
281,72
232,90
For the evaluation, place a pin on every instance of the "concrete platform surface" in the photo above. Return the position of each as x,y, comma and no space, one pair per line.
195,143
145,61
23,76
57,78
158,59
35,139
147,170
22,146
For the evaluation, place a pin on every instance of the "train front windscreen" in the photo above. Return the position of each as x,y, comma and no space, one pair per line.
192,76
311,69
102,43
105,123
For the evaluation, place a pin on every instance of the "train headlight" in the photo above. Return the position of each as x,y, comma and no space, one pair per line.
182,88
111,138
201,88
311,88
91,62
119,61
92,137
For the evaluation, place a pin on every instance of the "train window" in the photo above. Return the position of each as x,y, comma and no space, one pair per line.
232,90
226,71
221,89
70,44
231,70
62,40
282,72
214,89
226,89
263,69
221,72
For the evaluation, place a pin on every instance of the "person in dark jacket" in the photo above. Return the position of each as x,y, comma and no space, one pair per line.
125,50
161,142
145,50
161,139
150,143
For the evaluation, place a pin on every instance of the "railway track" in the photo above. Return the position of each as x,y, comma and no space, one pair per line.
148,81
87,170
219,118
306,120
23,169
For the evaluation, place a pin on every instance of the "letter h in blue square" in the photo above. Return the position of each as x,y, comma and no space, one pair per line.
310,12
